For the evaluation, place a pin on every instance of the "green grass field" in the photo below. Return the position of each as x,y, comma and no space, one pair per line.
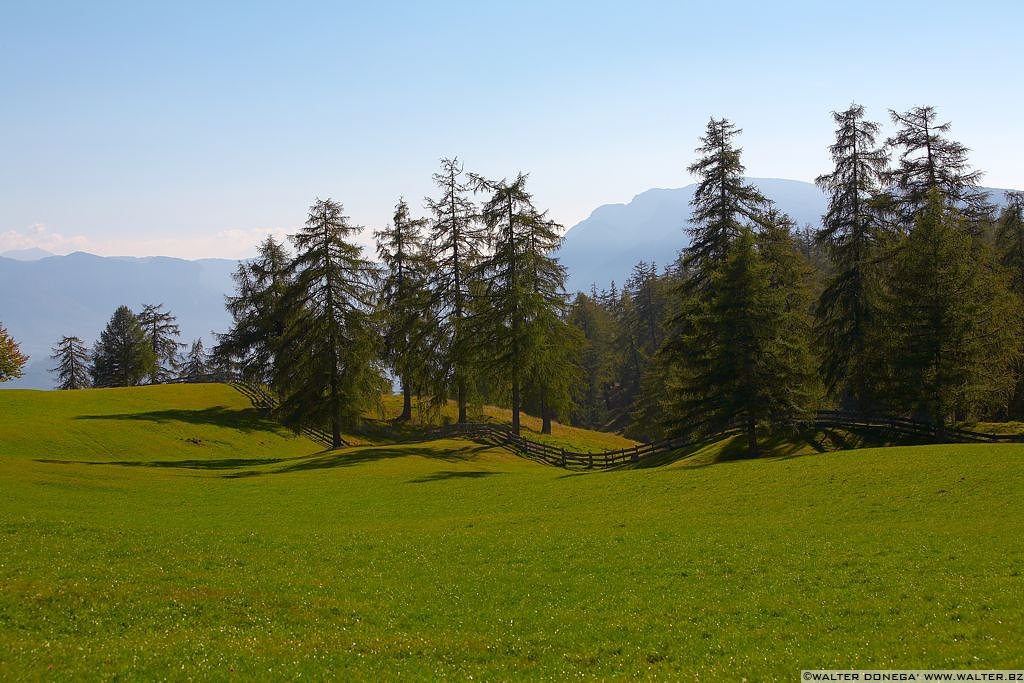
172,532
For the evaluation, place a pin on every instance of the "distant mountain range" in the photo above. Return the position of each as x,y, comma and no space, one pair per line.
652,227
44,297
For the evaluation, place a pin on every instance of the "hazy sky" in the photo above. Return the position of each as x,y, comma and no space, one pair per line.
188,129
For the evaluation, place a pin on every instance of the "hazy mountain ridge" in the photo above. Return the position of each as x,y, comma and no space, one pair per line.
45,299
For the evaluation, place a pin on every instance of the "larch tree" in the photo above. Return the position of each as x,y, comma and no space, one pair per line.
1010,239
12,360
73,362
723,202
123,355
162,331
195,363
524,294
927,160
259,320
853,232
457,242
954,333
326,368
404,301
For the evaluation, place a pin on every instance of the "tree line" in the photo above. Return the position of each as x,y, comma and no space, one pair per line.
907,299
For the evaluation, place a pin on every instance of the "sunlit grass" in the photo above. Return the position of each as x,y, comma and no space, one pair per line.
128,551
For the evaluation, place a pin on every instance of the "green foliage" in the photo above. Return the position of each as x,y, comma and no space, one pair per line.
854,232
258,318
955,328
456,244
596,359
450,560
162,331
928,160
518,327
722,203
327,368
1010,240
195,364
123,355
744,359
73,361
404,302
12,360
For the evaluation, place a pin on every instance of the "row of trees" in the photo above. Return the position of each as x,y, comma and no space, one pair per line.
467,304
907,299
132,349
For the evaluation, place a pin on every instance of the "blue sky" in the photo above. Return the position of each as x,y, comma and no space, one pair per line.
192,129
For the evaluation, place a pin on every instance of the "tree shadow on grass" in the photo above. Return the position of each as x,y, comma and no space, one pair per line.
218,464
246,420
449,474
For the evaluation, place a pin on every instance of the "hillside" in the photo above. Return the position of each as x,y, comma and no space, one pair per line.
131,552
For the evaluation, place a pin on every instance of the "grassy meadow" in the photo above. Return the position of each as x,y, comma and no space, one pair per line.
173,532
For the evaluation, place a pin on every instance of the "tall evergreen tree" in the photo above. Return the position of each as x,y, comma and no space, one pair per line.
162,331
722,203
1010,239
258,318
326,368
744,365
73,361
525,296
596,359
404,301
929,160
853,231
955,339
195,364
456,246
12,360
123,355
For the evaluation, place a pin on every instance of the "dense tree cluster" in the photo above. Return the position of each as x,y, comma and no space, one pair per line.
906,300
132,349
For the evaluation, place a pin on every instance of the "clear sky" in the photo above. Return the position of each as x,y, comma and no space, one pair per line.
193,129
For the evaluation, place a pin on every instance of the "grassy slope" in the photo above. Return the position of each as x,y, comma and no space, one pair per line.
448,559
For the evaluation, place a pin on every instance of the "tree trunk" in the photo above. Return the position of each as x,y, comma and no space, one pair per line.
336,434
463,419
545,413
406,402
515,406
752,437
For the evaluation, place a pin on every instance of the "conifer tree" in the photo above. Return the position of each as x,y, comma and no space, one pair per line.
596,359
722,203
520,322
456,244
1010,239
195,364
73,361
162,331
853,232
404,301
326,366
12,360
745,367
929,160
953,325
258,317
123,355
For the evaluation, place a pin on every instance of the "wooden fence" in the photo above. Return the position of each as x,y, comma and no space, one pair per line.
501,435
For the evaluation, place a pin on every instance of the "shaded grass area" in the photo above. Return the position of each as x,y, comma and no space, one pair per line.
449,559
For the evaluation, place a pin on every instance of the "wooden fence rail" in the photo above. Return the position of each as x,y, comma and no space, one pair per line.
502,435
